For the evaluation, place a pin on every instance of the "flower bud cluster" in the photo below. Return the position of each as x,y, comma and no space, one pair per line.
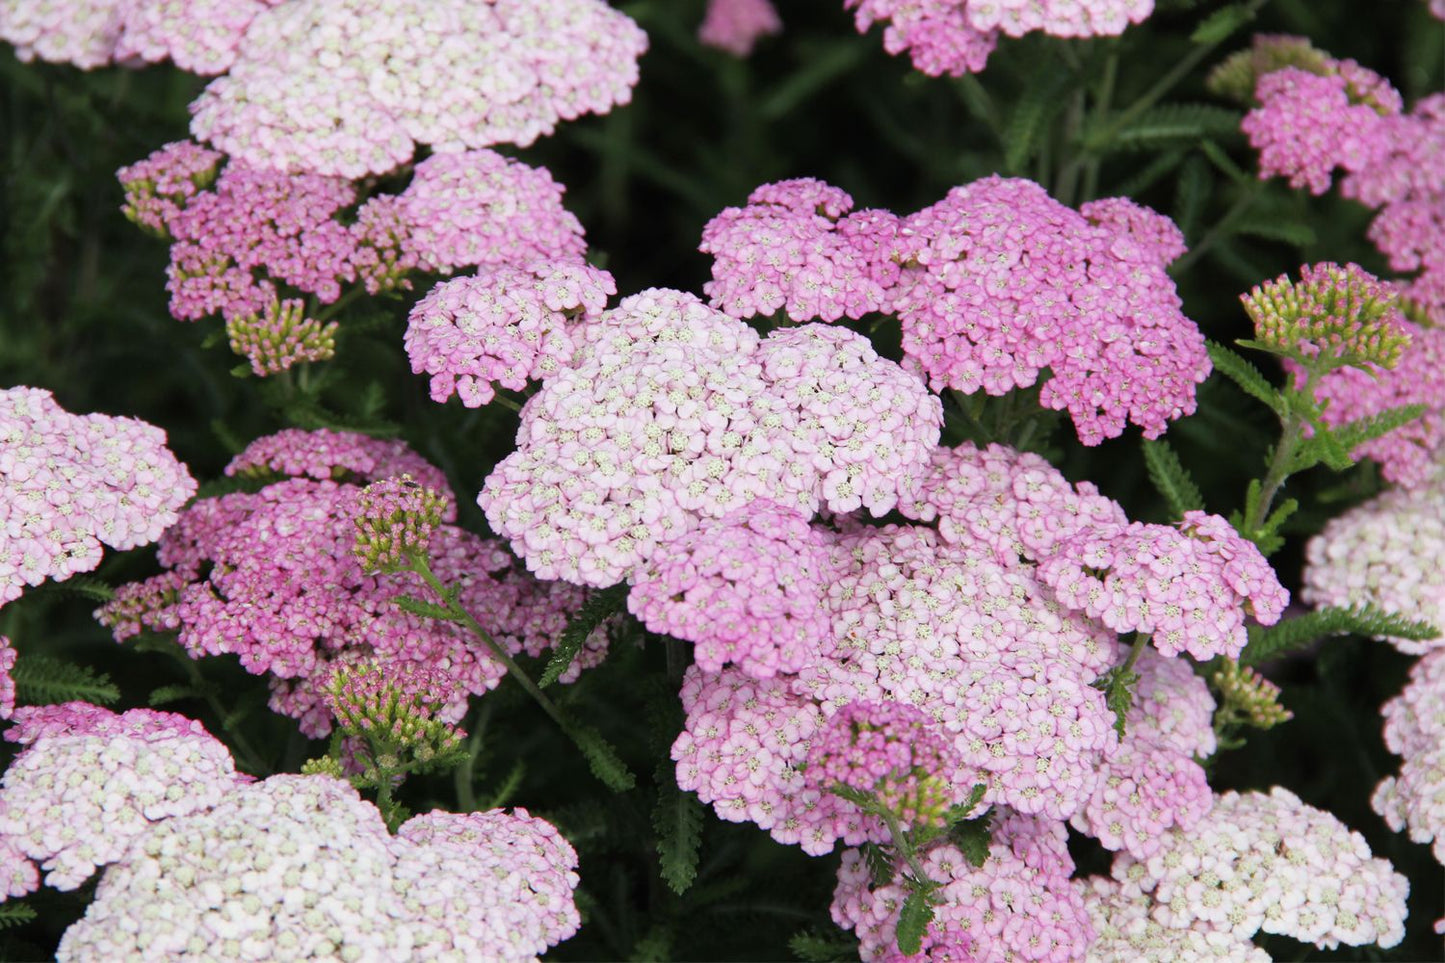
394,520
1341,315
1249,697
280,337
393,706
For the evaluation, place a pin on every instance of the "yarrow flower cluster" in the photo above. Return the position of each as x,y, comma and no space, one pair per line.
956,36
349,87
672,412
1189,587
1269,863
394,707
746,588
889,753
89,782
270,576
1414,800
1150,782
201,36
1384,552
1341,315
395,519
308,869
1020,904
736,25
70,483
1001,281
502,327
280,337
796,248
8,655
1125,930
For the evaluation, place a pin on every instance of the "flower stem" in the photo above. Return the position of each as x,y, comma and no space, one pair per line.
1282,464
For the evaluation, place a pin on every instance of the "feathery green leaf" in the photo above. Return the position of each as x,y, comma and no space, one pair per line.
1268,642
599,607
678,820
45,680
1234,367
1172,479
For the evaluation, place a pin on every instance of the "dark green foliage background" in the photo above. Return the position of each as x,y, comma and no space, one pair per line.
83,313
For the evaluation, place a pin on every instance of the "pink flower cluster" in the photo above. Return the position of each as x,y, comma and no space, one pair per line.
270,576
1150,781
992,284
69,483
955,37
89,783
350,87
1339,114
306,868
1414,799
8,655
1125,930
1019,905
745,588
735,25
502,327
1269,863
1001,281
795,248
1385,552
1190,587
201,36
673,412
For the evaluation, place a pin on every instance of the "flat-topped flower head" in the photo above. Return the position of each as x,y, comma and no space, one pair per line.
1339,315
1125,930
72,483
1189,587
301,866
158,187
7,681
1000,282
746,588
888,755
351,87
394,520
343,456
1269,863
1414,799
503,327
89,783
736,25
200,36
1384,552
280,337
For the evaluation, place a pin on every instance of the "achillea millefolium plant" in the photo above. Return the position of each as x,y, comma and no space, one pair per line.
958,480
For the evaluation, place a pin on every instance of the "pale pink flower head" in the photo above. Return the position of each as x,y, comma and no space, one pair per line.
478,208
1190,587
746,588
735,26
1125,930
70,483
1385,552
795,248
160,186
937,35
503,327
199,36
308,869
1414,799
1058,18
342,456
1020,904
89,782
1000,282
1269,863
350,87
7,682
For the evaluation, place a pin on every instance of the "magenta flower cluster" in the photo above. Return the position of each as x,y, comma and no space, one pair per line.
270,577
736,25
72,483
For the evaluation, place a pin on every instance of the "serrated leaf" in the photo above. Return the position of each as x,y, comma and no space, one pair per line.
1171,124
1191,194
913,920
1172,479
880,866
174,693
428,610
602,758
14,914
678,819
508,786
598,608
812,947
1268,642
45,680
973,836
1280,229
1234,367
84,586
1323,446
655,947
1040,102
1353,434
1221,23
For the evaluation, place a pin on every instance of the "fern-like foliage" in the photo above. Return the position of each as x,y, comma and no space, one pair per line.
45,680
1234,367
913,920
1172,124
1172,479
813,947
1043,99
1268,642
87,587
14,914
678,819
599,607
1326,446
601,757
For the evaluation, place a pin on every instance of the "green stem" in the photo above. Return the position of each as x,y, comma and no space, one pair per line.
250,759
466,774
1101,113
420,567
1244,202
1162,87
336,307
1140,639
1282,464
904,847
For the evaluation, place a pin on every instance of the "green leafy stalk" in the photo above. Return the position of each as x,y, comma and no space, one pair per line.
1270,642
1172,478
598,608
